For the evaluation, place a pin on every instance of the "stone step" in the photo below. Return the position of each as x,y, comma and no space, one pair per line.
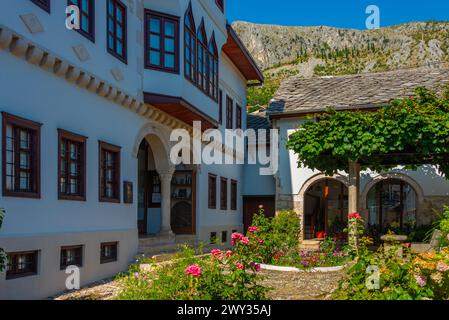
310,244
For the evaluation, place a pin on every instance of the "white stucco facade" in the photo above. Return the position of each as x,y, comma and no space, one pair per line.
98,96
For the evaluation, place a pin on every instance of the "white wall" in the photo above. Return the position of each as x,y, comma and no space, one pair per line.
60,41
31,93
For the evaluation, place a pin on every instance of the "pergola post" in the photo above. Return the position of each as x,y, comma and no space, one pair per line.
353,198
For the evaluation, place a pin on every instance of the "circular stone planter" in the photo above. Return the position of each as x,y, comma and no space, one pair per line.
292,269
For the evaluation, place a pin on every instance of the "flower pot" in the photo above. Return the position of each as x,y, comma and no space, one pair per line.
320,235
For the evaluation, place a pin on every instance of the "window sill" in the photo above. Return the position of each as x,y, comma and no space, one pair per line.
109,200
19,194
161,69
21,275
108,261
71,198
123,59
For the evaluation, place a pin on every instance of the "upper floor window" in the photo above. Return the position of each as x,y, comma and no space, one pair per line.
190,46
220,107
212,192
224,194
87,17
44,4
212,74
202,57
162,41
116,26
72,166
233,195
109,172
21,157
238,117
229,112
220,4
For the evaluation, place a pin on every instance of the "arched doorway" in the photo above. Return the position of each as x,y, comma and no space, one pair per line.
325,209
391,204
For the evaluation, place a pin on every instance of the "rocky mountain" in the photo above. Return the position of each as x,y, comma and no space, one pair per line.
318,51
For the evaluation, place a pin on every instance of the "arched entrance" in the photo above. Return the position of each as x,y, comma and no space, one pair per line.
325,209
392,204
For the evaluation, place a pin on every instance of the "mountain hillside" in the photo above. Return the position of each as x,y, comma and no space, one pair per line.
319,51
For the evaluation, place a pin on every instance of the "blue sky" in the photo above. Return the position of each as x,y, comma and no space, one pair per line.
335,13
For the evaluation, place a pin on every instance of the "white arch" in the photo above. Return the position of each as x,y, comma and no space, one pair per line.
318,177
387,176
159,141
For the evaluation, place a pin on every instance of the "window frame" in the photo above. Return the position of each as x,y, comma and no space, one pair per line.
117,3
238,116
202,85
234,193
220,4
163,18
82,141
103,259
107,147
34,264
223,193
35,156
192,32
91,20
43,4
212,194
212,81
229,112
79,263
220,107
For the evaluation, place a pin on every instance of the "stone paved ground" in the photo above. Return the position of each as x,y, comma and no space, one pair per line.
301,286
285,285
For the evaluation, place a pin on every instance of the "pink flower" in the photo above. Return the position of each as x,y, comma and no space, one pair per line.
238,265
448,237
256,266
253,229
194,270
261,241
216,253
245,241
355,215
228,254
420,280
260,206
236,237
442,267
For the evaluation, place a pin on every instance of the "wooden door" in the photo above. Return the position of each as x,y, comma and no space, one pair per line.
251,207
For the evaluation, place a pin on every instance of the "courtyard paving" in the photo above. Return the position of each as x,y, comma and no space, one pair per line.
284,285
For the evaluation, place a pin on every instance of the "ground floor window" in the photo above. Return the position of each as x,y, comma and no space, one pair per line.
392,205
108,252
21,264
71,256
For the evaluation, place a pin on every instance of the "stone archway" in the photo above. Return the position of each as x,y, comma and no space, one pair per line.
391,197
157,139
304,199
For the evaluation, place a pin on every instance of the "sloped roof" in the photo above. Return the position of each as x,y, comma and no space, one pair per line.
258,120
361,91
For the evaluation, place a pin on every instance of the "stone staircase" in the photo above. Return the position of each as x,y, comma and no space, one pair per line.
157,245
313,244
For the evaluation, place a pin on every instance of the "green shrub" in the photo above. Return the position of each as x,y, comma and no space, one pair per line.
279,235
231,275
401,277
3,257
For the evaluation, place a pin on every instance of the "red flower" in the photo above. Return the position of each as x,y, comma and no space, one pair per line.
228,254
261,241
355,215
